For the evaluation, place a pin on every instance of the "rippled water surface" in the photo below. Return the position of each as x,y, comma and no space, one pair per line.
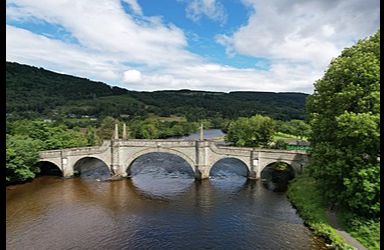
160,207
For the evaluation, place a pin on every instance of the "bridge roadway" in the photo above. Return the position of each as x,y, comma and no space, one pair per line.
119,154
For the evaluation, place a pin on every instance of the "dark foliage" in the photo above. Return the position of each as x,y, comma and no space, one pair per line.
35,92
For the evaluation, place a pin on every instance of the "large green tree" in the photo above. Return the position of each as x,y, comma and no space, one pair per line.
53,136
294,127
255,131
344,115
21,155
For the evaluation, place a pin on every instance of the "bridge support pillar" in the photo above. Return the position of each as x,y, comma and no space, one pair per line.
117,170
202,172
255,172
68,172
252,175
67,169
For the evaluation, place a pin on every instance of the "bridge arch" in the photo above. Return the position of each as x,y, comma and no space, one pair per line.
48,167
288,164
88,162
276,175
128,163
294,166
215,166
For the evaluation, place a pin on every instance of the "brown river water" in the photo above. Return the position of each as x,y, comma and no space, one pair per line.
160,207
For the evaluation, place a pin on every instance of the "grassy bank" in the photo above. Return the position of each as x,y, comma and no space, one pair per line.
307,198
364,230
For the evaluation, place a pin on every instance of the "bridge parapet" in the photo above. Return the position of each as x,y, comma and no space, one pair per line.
50,154
152,143
246,150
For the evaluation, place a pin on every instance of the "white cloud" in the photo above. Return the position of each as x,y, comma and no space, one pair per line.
309,31
215,77
132,75
103,26
297,37
212,9
26,47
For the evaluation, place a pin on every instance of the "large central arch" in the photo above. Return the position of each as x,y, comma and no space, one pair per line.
241,166
135,156
91,165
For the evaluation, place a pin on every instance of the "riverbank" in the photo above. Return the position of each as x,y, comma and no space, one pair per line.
305,195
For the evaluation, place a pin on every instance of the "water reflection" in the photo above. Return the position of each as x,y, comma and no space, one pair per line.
161,175
230,183
229,175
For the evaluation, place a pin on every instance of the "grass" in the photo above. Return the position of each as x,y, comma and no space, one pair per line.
364,230
306,196
286,137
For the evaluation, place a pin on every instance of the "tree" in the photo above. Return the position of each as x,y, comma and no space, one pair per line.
21,155
255,131
107,127
294,127
299,128
53,136
344,115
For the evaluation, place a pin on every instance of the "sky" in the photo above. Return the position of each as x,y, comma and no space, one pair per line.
212,45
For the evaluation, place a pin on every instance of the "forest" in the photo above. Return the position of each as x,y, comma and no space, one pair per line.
33,92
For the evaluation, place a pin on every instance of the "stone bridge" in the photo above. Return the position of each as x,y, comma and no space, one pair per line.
119,154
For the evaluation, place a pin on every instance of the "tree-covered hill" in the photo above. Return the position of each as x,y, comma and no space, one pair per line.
36,92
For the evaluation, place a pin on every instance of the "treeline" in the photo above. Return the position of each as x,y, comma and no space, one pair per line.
33,92
25,138
263,131
197,105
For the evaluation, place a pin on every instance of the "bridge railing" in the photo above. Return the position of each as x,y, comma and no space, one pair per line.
75,151
247,149
156,142
50,154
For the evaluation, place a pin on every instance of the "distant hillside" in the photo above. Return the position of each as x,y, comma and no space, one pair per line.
36,89
32,91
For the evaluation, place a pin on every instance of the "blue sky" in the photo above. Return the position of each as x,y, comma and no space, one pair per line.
216,45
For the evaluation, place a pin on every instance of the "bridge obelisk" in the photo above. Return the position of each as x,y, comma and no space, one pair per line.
115,166
201,132
124,131
116,131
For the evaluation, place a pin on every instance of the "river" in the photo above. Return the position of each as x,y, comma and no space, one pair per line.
160,207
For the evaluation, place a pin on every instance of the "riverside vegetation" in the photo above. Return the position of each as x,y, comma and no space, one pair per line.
344,170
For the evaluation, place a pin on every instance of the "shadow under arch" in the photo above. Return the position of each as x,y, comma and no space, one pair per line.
91,167
276,176
160,176
48,168
229,166
169,160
